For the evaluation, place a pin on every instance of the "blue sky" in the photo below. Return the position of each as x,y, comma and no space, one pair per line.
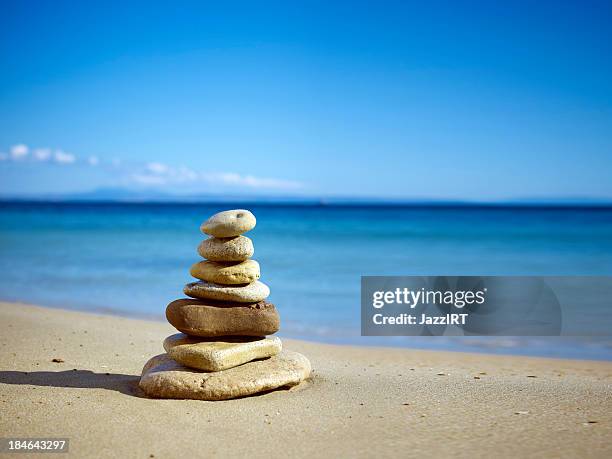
450,100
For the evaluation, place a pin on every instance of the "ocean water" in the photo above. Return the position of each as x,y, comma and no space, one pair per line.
132,259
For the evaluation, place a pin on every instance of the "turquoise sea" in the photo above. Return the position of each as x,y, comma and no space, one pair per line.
132,259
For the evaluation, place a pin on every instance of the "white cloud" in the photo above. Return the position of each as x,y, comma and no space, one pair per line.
251,181
158,174
61,157
157,168
42,154
154,173
148,179
161,174
19,151
186,174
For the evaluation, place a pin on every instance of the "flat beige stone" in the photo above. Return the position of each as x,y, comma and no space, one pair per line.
237,248
216,354
229,223
210,318
162,377
243,272
250,293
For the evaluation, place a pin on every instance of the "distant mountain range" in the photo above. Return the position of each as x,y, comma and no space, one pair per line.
126,195
146,195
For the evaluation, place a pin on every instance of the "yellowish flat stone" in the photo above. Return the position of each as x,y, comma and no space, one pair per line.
243,272
220,354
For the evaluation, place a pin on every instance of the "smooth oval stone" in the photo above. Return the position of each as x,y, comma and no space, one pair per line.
250,293
243,272
237,248
212,318
216,354
229,223
162,377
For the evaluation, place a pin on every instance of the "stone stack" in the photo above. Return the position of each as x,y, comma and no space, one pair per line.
223,351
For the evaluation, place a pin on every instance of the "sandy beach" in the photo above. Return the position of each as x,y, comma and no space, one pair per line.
360,402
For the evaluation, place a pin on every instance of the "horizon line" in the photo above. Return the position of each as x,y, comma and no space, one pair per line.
328,202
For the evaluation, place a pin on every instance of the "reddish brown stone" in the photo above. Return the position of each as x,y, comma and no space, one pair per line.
215,318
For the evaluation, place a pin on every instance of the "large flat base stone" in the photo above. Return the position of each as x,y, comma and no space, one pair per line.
162,377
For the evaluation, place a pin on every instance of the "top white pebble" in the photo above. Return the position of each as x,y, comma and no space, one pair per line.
229,223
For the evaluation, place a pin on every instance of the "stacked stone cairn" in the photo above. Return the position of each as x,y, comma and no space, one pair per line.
223,350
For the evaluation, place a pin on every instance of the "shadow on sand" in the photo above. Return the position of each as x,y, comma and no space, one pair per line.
84,379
